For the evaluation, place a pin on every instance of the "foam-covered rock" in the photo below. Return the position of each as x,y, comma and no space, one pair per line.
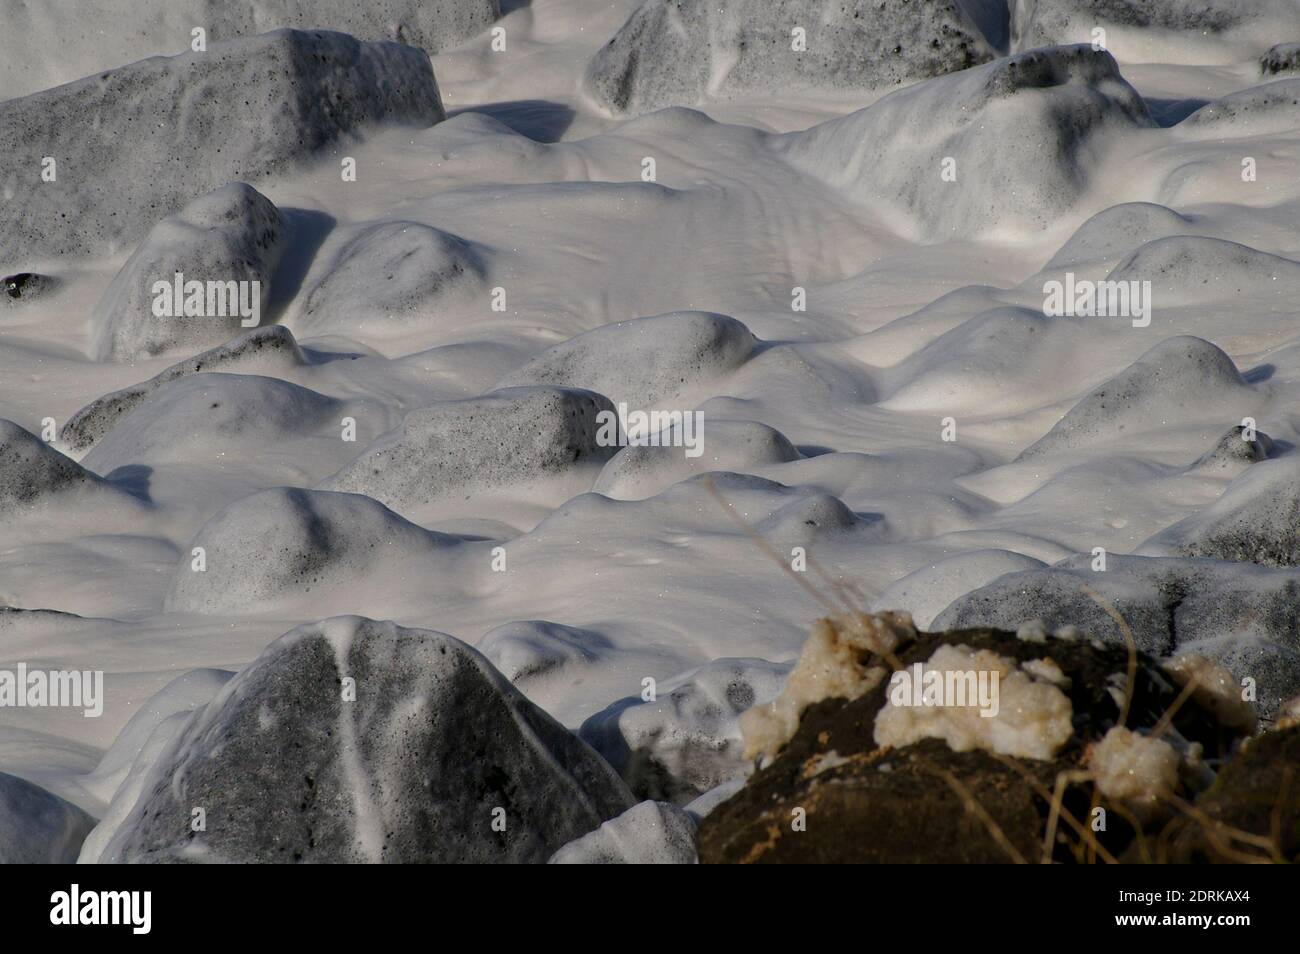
637,472
1117,231
926,592
1180,381
353,740
1257,520
1240,615
161,27
527,650
136,143
687,740
1256,110
204,416
22,288
1036,119
812,518
37,827
452,447
313,546
185,693
392,277
270,349
1164,31
32,473
1196,268
682,52
1281,58
651,833
989,362
1235,451
234,234
645,362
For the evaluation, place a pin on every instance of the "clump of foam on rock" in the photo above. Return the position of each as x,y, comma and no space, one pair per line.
1130,767
1033,718
840,659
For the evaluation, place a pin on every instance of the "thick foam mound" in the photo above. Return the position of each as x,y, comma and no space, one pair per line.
130,149
1163,31
1240,615
1193,268
270,349
814,518
988,363
233,235
1116,231
453,447
635,473
161,27
1235,451
36,827
390,278
1037,119
528,650
309,546
1182,381
1257,520
203,417
927,592
353,740
644,362
687,740
651,833
682,52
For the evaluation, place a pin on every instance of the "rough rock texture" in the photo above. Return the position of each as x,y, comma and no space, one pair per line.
1257,520
269,349
1175,25
1282,58
681,52
1258,794
688,740
24,287
651,833
305,544
412,770
1180,381
137,143
453,447
162,27
1245,617
234,234
36,827
644,362
32,472
1069,103
833,795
